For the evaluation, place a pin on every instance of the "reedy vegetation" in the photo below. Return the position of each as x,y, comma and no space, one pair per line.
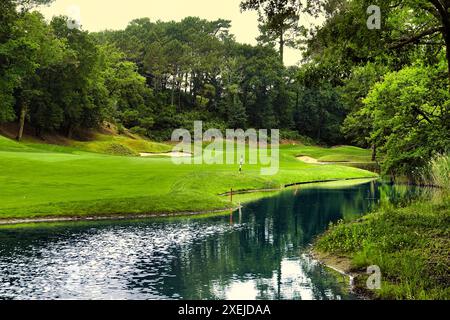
437,173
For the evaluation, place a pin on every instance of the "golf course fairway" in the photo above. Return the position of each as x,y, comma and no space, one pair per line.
39,180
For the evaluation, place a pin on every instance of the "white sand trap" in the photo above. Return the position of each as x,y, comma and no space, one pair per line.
308,160
168,154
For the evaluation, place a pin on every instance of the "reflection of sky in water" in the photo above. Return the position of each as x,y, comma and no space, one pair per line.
294,283
256,254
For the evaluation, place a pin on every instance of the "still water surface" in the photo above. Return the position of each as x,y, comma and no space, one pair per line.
260,252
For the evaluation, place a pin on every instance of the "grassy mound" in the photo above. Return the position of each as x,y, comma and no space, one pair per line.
121,146
11,145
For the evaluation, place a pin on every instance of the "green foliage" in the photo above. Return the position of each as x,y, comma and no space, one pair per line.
120,129
292,135
196,67
359,123
154,77
138,130
410,110
31,50
64,80
319,111
392,82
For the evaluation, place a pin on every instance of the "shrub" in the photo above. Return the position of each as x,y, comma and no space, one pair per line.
120,128
295,136
138,130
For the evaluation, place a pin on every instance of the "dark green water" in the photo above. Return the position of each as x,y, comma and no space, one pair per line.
258,253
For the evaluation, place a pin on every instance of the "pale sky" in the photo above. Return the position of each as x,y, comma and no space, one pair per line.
97,15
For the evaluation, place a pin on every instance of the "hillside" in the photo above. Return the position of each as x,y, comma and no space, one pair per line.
105,140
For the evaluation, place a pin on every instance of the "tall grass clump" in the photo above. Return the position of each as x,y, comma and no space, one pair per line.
437,172
440,171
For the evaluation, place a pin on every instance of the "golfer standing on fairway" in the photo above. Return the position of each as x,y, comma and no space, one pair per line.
241,163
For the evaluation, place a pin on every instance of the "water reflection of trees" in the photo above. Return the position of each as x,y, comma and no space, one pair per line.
274,229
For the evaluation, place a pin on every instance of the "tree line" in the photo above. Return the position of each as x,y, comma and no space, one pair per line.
387,89
151,77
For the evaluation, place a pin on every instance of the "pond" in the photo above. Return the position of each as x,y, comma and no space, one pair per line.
258,252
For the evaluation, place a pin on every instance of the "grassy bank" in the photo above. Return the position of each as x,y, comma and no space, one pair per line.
39,180
410,244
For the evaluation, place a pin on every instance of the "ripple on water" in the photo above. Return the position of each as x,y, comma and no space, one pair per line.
82,264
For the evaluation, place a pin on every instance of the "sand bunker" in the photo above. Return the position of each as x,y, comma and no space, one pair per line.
308,160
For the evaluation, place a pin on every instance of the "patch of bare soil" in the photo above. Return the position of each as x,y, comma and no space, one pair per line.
338,263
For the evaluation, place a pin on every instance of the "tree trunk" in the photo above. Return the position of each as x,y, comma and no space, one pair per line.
447,48
179,95
282,45
23,114
442,8
194,90
70,131
374,152
38,132
172,98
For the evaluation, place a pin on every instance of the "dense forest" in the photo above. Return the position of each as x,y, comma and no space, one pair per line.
387,88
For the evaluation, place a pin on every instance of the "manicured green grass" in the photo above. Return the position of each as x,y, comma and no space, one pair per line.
335,154
11,145
411,245
247,197
43,180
